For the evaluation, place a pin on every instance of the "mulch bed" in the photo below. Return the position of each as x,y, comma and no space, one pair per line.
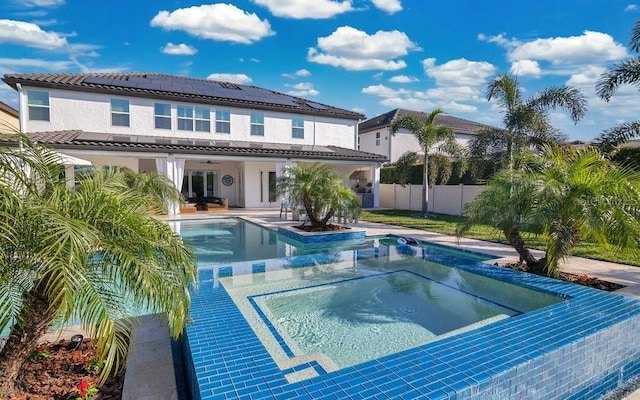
329,228
583,279
57,376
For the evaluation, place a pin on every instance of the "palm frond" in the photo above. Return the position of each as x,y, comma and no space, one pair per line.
611,138
625,73
563,97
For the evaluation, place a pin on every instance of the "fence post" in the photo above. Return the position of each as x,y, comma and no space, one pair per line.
461,198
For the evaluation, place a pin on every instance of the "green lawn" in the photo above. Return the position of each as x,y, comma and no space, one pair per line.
446,224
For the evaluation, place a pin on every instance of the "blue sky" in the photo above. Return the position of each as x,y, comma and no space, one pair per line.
365,55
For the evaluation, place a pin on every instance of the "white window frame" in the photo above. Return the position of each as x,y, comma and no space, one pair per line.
187,118
201,118
257,123
127,112
297,126
164,117
377,139
36,106
223,112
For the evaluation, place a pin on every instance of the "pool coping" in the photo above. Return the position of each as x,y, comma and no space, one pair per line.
601,310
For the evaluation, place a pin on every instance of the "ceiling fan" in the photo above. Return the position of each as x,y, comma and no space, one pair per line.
209,162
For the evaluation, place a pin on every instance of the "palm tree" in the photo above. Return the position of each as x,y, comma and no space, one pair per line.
428,134
86,254
566,195
625,73
320,191
525,122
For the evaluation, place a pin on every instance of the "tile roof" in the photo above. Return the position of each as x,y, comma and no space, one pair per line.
459,125
80,140
180,88
8,109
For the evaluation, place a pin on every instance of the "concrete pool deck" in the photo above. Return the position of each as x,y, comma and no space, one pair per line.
622,274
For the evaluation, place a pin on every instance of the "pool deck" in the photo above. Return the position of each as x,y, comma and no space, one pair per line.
618,273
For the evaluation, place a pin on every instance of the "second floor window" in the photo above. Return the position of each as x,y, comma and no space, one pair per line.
257,124
297,128
38,102
119,112
162,115
223,121
203,119
185,118
377,138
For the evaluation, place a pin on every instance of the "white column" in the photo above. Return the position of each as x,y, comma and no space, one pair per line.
172,168
70,176
376,186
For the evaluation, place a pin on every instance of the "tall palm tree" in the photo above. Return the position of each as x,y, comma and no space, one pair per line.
428,134
625,73
566,195
86,254
320,191
526,122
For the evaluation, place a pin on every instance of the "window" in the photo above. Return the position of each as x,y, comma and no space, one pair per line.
297,128
185,118
203,119
38,105
223,121
119,112
377,138
162,115
257,124
358,142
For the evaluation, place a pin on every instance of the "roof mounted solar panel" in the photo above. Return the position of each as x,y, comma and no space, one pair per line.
317,106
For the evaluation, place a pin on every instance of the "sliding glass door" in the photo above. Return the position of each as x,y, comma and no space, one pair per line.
198,183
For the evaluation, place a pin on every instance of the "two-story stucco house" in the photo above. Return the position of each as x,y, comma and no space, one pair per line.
211,138
375,136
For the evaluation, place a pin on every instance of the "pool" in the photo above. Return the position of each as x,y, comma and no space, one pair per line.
373,318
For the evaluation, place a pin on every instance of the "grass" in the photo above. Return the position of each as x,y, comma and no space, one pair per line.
446,224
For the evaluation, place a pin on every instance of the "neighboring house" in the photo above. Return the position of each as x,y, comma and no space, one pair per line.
375,134
8,118
211,138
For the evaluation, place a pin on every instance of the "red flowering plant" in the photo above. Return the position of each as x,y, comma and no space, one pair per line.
91,363
86,390
41,351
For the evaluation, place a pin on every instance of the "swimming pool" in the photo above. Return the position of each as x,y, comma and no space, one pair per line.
255,329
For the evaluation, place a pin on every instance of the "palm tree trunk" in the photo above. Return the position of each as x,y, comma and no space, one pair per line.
425,186
534,266
37,317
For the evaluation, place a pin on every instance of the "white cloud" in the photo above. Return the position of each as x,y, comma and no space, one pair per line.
179,49
30,35
388,6
526,68
499,39
358,110
403,79
383,91
455,93
410,103
241,79
591,46
460,72
353,49
299,73
453,106
300,9
303,89
9,64
221,22
631,7
42,3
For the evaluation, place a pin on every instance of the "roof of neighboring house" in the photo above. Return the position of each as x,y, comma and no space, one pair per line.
8,109
180,88
459,125
80,140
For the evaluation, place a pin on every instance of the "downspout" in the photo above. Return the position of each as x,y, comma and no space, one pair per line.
21,117
389,138
314,130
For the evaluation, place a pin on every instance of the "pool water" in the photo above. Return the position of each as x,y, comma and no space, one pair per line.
355,305
274,319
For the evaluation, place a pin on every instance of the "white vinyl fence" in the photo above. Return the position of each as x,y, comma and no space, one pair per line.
443,199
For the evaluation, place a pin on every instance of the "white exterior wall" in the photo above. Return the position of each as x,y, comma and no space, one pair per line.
368,142
252,184
91,112
100,162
